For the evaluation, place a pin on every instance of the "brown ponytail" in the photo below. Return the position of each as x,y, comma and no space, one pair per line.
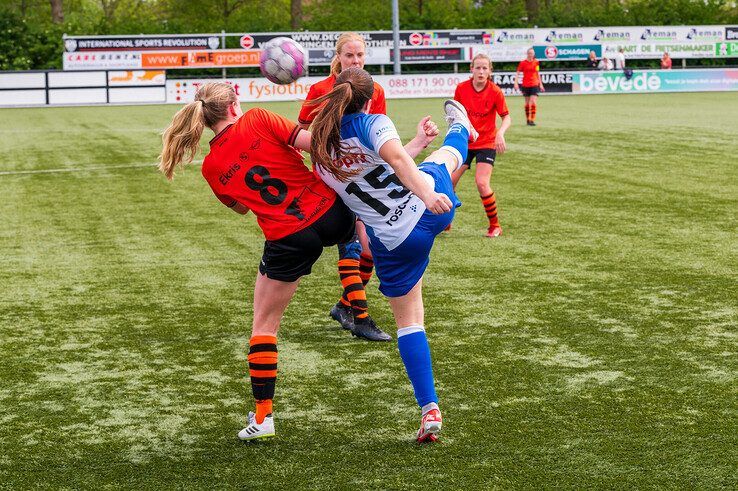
181,140
354,87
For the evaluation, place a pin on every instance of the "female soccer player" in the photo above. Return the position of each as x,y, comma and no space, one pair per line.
532,84
483,101
355,263
252,165
402,206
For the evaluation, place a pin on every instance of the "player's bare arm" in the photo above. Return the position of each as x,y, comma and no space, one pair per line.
426,132
500,144
404,166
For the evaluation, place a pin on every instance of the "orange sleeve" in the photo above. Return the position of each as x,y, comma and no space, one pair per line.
226,200
501,105
380,104
520,67
304,117
457,93
283,130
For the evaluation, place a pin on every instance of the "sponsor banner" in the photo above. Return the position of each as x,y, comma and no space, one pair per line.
140,43
731,33
424,55
655,81
729,50
201,59
374,39
395,86
372,56
500,52
102,61
247,89
656,50
567,52
137,77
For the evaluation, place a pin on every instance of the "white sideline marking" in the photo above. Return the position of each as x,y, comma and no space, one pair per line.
80,169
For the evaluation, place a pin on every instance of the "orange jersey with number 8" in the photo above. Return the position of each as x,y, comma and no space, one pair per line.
252,162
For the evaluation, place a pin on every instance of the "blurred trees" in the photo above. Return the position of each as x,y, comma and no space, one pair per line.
32,29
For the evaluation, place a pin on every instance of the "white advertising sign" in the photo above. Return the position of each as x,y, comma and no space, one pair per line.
102,60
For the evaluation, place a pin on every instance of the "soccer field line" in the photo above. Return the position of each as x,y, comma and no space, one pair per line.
80,169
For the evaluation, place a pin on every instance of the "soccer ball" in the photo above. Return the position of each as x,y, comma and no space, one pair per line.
282,60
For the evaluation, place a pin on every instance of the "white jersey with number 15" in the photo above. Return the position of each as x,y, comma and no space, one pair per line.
374,193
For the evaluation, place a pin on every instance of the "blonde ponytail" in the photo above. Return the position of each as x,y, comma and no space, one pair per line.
181,140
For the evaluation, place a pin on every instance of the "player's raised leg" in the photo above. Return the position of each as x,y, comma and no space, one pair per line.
415,353
271,298
455,146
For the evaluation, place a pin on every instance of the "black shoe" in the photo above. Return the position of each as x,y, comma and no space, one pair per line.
342,313
531,123
367,329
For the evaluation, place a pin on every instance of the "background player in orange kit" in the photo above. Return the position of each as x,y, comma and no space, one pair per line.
253,165
355,263
483,101
532,84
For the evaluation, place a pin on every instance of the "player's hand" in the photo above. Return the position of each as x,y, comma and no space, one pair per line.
427,131
438,203
543,89
515,87
500,145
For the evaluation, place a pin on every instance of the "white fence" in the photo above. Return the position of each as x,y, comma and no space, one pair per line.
84,87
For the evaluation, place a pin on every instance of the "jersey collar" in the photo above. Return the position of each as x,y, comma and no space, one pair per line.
222,132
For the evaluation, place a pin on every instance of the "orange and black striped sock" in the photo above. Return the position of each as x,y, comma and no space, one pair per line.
490,208
527,112
263,372
366,268
533,109
353,288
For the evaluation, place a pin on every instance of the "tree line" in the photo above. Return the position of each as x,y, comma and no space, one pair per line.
32,29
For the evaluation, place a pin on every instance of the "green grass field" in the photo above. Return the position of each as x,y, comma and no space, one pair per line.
593,345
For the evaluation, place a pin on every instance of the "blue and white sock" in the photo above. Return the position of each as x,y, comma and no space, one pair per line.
415,353
457,142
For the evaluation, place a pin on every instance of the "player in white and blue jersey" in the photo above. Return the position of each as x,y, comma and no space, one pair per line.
403,206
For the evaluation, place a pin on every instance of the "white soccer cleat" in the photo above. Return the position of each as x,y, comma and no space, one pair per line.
456,113
430,426
254,431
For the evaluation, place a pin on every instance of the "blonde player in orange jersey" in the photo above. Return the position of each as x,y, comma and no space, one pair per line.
484,101
355,262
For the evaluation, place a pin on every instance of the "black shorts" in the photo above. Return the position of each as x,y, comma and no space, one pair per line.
483,156
291,257
530,91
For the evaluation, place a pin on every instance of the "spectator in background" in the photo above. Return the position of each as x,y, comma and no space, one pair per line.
619,59
592,61
604,64
666,62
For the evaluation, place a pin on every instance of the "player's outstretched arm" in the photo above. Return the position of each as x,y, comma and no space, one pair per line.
427,131
395,155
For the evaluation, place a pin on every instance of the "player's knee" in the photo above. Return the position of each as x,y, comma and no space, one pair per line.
483,185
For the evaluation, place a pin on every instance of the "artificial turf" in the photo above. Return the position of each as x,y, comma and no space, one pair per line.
593,345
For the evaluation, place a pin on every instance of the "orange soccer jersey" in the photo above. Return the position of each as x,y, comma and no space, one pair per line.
530,71
253,163
319,89
483,107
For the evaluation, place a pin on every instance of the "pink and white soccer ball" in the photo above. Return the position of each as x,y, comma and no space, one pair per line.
283,60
